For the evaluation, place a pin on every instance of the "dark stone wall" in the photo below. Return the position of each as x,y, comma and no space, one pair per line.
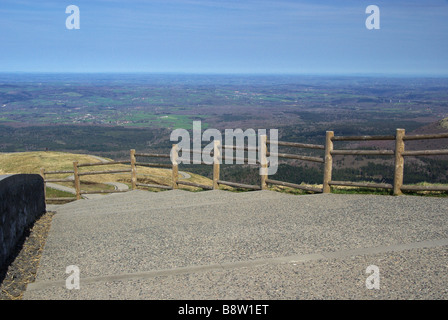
22,202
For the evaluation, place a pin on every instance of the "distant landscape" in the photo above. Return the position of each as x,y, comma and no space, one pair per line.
108,114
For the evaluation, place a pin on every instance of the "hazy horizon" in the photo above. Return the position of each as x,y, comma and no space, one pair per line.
174,73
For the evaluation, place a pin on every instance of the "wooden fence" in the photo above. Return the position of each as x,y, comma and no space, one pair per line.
296,157
44,174
398,155
134,165
78,175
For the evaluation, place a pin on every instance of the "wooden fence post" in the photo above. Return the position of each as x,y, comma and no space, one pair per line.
399,162
328,161
216,167
77,182
175,167
133,170
42,173
264,162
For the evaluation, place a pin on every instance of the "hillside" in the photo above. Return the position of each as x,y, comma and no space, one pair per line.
444,123
32,162
432,128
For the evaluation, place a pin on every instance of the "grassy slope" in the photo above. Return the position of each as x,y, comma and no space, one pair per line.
32,162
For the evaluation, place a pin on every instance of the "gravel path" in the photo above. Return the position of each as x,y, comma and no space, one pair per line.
117,185
253,245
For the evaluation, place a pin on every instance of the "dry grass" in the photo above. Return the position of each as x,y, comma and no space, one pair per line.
22,267
444,123
32,162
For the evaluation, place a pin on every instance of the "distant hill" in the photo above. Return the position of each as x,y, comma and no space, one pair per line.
432,128
437,127
440,126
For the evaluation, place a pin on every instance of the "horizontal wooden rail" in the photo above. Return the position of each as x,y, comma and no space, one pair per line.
154,165
239,148
426,136
296,145
155,155
102,163
295,156
362,138
224,158
192,161
239,185
425,152
160,186
197,151
240,160
59,172
364,152
104,172
44,174
193,184
202,163
293,185
424,188
361,184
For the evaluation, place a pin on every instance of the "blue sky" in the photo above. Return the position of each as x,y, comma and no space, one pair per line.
225,36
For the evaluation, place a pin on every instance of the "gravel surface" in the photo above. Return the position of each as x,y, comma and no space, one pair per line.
417,274
117,241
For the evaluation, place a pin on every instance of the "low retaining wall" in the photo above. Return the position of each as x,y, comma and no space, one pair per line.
22,201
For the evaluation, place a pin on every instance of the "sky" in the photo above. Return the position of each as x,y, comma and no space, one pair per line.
225,36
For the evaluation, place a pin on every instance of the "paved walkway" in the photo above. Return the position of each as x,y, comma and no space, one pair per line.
253,245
